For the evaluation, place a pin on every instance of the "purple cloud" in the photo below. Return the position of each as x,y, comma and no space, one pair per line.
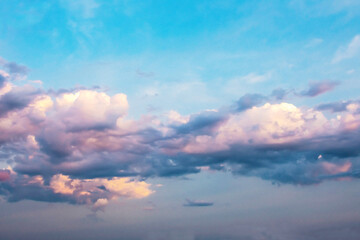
318,88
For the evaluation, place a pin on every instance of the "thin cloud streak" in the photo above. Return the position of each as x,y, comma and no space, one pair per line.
196,203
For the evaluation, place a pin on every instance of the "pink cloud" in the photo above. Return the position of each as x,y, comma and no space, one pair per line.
4,175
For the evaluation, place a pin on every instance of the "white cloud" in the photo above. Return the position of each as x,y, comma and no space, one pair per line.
235,84
314,42
255,78
350,51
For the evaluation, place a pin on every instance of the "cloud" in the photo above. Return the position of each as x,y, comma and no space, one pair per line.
15,68
81,147
16,71
318,88
233,85
255,78
194,203
4,175
66,138
279,93
4,76
314,42
144,74
279,142
95,193
202,122
250,100
86,8
17,99
86,109
348,52
341,106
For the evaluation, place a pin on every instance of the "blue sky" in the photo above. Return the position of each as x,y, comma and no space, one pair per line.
187,119
110,44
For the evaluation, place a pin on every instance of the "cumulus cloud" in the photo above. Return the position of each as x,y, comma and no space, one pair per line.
279,142
98,191
95,193
80,147
90,110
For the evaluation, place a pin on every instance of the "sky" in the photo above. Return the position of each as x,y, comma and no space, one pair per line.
194,120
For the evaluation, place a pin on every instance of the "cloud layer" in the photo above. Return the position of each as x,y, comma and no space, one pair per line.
80,147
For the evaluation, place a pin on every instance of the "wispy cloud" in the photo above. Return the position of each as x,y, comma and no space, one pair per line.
317,88
87,8
350,51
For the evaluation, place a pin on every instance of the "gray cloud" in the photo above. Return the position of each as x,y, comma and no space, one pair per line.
16,71
250,100
201,123
336,106
194,203
279,93
17,99
318,88
3,78
15,68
